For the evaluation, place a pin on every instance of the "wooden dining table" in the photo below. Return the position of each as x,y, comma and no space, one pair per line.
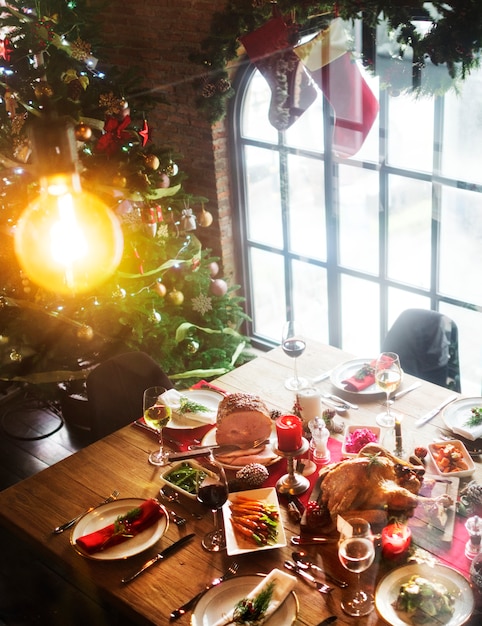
32,508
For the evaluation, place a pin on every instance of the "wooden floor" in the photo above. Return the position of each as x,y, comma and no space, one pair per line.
33,436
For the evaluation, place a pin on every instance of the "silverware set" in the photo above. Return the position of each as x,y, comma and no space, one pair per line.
171,495
321,587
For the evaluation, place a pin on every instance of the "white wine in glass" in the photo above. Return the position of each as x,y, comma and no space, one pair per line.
388,376
156,415
294,344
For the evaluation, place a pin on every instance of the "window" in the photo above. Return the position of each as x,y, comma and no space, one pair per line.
346,244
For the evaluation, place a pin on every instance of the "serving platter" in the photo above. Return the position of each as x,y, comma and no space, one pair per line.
268,459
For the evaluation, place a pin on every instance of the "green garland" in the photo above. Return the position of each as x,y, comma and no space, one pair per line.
452,39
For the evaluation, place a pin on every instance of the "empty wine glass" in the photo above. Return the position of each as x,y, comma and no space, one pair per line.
356,553
388,376
212,491
156,415
293,344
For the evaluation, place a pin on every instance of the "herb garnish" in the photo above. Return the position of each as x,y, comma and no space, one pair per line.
249,611
476,418
188,406
363,372
122,522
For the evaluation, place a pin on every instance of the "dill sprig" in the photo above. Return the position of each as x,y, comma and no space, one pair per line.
189,406
363,372
122,522
248,611
476,418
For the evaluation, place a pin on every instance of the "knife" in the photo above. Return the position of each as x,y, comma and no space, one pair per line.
174,547
204,450
328,620
321,377
399,394
431,414
307,541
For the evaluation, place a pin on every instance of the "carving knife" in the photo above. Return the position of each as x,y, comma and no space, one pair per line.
431,414
174,547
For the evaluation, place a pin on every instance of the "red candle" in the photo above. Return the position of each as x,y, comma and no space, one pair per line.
396,540
289,429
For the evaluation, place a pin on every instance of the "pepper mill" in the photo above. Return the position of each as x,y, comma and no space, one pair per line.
474,528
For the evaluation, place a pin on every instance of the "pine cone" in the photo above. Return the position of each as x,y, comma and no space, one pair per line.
253,474
223,85
473,493
208,90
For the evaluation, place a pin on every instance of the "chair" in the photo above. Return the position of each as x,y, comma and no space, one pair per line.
427,344
115,390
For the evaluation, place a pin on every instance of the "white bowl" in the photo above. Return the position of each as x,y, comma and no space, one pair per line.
171,469
459,446
351,429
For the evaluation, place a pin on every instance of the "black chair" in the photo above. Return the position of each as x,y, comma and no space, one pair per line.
115,390
427,344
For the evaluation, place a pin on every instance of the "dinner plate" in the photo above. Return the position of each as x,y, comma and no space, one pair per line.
221,599
237,544
209,439
388,589
206,397
106,514
348,369
456,414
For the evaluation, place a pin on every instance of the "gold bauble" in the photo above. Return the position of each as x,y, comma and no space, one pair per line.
175,297
83,132
43,90
85,333
160,288
205,219
152,161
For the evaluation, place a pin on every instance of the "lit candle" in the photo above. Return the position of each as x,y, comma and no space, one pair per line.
289,429
396,540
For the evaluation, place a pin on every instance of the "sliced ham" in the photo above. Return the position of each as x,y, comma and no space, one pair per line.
242,418
239,458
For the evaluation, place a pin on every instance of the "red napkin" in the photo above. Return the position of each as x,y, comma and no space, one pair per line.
364,377
149,512
203,384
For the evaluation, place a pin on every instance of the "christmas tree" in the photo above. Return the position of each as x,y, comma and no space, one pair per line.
167,296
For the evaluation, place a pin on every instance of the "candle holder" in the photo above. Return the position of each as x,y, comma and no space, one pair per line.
293,483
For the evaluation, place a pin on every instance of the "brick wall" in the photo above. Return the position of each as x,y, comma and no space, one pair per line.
158,36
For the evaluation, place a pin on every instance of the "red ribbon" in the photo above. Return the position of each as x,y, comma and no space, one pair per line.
114,134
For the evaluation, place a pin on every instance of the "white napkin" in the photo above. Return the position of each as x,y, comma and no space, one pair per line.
283,585
172,399
469,432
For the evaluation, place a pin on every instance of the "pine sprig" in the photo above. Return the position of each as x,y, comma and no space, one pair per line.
249,611
189,406
476,418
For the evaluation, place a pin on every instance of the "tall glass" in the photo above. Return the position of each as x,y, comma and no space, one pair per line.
388,376
294,344
156,415
356,553
212,491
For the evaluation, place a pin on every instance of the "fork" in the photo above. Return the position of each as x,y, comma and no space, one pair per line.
342,401
70,523
231,571
173,496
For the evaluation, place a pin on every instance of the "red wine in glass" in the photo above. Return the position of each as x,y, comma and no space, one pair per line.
293,345
213,496
212,491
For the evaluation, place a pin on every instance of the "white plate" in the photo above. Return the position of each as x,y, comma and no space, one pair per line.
209,439
222,598
235,544
208,398
459,411
348,369
455,583
106,514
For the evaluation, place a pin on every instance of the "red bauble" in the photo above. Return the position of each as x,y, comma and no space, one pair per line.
218,287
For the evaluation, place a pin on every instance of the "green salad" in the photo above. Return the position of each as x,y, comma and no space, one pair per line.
186,477
425,601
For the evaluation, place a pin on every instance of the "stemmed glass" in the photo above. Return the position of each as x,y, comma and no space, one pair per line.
212,491
356,553
293,344
388,376
156,415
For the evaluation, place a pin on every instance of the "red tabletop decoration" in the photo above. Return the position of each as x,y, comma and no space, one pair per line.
289,429
396,540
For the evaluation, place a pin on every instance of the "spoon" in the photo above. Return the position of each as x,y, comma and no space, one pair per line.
303,561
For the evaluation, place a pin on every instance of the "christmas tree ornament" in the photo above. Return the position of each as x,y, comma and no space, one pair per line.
192,346
152,161
270,48
164,181
171,168
15,356
83,132
188,220
213,269
119,293
155,316
253,475
218,287
144,133
85,332
205,219
160,288
119,181
43,90
337,74
175,297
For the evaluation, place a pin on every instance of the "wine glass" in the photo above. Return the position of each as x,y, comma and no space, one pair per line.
156,415
212,491
293,344
356,553
388,376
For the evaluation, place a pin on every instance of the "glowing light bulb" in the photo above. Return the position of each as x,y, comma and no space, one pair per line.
67,240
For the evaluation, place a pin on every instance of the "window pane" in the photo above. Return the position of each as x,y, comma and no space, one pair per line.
410,124
255,112
359,202
360,309
263,195
460,245
463,131
310,299
307,132
409,231
307,207
268,289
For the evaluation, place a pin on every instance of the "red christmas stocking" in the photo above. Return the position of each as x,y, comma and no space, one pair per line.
293,90
339,77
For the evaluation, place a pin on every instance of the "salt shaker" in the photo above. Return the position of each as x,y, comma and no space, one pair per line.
319,441
474,528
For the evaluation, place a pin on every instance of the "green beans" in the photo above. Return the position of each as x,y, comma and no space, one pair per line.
186,477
